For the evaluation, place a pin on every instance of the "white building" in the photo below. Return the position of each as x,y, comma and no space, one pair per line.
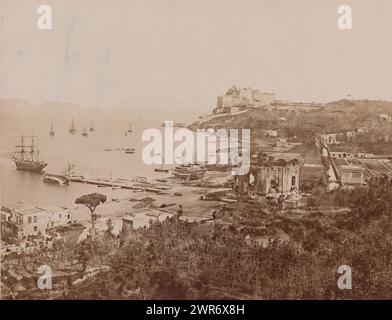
341,155
20,222
271,133
329,138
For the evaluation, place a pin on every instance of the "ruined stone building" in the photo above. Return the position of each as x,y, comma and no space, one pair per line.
270,176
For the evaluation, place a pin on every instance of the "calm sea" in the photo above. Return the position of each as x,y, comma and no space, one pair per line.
86,153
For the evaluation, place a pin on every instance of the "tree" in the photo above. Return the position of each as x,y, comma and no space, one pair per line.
92,201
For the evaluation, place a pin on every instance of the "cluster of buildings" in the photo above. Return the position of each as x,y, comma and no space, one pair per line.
351,169
280,177
20,222
349,155
22,226
337,138
276,177
237,99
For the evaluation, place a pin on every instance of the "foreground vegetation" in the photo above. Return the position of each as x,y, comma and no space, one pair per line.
180,260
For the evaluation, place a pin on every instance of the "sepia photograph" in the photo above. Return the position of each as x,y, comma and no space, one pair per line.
197,150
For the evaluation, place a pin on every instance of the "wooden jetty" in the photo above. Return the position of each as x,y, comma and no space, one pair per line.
123,184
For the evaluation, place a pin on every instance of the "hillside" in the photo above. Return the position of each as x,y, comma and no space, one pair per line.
335,117
175,259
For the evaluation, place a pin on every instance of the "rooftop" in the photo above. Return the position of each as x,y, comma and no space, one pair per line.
351,167
277,159
53,209
8,207
30,210
27,209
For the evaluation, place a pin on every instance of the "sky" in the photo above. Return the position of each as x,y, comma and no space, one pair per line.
182,54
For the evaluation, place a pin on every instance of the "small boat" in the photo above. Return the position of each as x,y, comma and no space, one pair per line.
61,179
188,175
84,133
161,169
190,167
174,125
130,150
189,171
27,157
72,130
56,179
130,128
92,129
51,132
107,149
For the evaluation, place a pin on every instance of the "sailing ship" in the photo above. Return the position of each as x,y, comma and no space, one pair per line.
84,133
92,129
72,130
51,132
130,128
27,156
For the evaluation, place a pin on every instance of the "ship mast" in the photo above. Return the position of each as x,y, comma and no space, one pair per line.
72,130
22,151
37,151
32,148
28,159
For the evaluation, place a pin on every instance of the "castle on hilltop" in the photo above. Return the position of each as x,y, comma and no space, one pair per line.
237,99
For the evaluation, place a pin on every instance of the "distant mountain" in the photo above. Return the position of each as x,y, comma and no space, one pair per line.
14,103
23,103
361,106
335,117
61,105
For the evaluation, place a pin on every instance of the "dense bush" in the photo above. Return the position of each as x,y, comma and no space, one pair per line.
180,260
